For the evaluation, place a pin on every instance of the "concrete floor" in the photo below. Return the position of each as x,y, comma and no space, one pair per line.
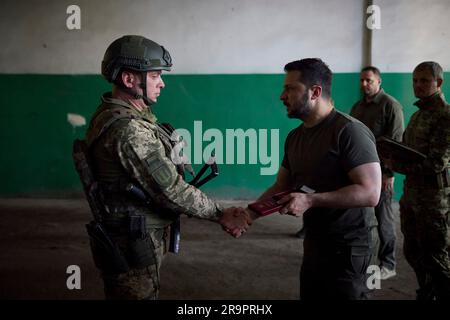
40,238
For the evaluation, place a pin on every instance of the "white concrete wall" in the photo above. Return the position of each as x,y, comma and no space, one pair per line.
203,36
412,31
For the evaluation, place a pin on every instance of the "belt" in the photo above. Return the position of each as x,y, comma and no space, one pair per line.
117,227
122,226
112,187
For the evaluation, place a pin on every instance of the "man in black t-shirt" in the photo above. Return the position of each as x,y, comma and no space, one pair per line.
335,155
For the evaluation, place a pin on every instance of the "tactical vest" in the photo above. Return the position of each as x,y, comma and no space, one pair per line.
103,119
101,122
120,240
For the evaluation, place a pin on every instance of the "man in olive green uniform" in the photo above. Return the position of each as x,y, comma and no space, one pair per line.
425,204
128,145
383,115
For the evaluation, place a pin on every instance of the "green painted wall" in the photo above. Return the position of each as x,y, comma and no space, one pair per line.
36,139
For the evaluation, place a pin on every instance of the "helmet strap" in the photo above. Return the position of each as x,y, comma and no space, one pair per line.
143,85
134,93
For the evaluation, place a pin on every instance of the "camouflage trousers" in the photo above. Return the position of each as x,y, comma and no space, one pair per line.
425,223
138,284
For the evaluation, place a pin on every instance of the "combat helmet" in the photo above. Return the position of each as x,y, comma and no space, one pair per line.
135,53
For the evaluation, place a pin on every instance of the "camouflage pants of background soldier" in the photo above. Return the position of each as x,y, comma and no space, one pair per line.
138,284
425,223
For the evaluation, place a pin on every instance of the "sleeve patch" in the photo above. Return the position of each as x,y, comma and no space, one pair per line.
159,170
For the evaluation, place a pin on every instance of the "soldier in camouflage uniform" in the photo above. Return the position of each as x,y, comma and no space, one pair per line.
127,144
425,204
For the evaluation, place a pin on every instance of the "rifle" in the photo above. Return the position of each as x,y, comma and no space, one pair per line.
107,256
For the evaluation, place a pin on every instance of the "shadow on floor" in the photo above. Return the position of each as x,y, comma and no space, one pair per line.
40,238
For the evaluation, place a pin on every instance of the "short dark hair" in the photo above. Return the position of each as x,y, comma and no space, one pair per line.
434,68
313,72
375,70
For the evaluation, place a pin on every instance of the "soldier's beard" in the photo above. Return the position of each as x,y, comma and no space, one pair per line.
302,109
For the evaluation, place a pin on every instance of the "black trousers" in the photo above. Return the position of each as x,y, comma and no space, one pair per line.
337,274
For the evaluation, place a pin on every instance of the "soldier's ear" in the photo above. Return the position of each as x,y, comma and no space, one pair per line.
128,78
439,82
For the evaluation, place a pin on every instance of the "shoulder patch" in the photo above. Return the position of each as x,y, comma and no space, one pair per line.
159,169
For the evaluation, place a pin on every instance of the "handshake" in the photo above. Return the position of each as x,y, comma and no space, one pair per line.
236,221
293,202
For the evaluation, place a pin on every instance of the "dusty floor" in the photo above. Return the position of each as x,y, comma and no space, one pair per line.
40,238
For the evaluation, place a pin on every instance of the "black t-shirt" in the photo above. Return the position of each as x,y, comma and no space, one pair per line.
320,158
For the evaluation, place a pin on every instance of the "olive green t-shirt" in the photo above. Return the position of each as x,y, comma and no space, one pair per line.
320,158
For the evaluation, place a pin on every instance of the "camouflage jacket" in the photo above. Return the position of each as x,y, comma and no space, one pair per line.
428,132
134,148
